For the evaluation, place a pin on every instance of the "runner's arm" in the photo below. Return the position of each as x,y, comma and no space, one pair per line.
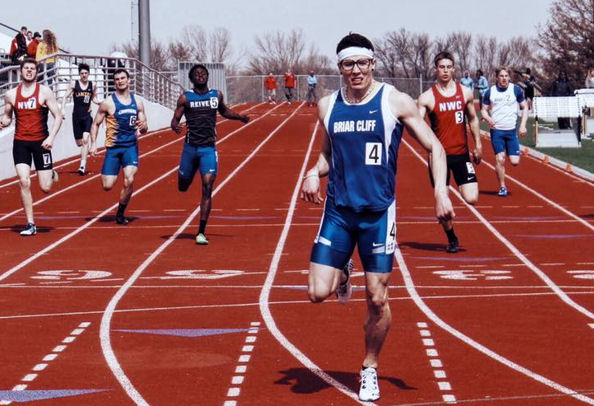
52,105
473,122
406,111
310,189
99,117
6,118
69,92
141,123
228,113
178,113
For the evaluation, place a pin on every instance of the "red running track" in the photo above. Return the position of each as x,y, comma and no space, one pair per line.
99,314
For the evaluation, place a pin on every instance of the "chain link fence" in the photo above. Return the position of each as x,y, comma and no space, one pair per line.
242,89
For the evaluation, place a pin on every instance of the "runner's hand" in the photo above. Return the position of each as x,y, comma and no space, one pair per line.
310,189
444,210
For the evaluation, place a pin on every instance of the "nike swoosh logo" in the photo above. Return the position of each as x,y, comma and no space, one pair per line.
372,111
376,245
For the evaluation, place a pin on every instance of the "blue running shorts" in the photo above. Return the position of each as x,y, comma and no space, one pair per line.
119,157
505,141
341,228
193,158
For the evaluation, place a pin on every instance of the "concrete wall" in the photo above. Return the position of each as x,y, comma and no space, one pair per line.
64,145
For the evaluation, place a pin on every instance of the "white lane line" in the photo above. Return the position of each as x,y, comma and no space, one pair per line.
436,363
240,369
104,331
265,293
30,377
410,287
544,277
88,179
82,182
546,199
78,230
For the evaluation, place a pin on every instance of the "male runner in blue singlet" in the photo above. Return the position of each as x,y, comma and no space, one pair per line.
363,125
125,117
200,106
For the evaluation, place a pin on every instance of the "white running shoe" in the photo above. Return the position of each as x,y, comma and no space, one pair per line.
201,239
29,230
369,390
345,289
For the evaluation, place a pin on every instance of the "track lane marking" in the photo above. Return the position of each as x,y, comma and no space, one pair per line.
78,230
265,293
88,179
410,287
544,277
104,331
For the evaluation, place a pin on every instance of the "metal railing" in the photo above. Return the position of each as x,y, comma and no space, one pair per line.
144,81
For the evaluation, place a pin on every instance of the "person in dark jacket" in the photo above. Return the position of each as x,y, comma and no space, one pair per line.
561,88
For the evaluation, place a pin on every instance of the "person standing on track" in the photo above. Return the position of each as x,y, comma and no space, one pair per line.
270,85
125,118
83,92
290,83
30,102
500,108
363,125
200,106
451,107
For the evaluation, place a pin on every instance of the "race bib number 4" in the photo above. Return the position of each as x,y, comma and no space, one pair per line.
373,153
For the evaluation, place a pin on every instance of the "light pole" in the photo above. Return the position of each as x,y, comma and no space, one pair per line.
144,32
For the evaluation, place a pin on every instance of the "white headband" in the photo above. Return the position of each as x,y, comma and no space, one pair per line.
354,51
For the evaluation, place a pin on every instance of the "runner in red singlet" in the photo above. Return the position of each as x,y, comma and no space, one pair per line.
33,141
451,108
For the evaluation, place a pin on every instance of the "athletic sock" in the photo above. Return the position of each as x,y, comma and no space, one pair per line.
451,235
83,163
202,227
121,208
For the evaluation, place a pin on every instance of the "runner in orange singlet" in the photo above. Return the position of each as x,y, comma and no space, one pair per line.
451,108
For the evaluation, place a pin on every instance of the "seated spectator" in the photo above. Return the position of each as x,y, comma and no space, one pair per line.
32,47
18,46
29,37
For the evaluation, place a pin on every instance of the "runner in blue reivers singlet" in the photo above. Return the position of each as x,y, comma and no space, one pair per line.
199,151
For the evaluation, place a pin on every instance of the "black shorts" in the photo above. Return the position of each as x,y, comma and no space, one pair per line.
23,152
462,169
81,124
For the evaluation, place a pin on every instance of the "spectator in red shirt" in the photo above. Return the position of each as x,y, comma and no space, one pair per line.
270,85
32,47
290,81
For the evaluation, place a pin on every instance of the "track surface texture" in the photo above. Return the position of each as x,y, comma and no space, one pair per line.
96,313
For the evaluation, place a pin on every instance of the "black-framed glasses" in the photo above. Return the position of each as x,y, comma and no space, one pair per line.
363,64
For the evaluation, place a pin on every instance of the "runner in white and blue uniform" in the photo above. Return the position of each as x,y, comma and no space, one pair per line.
500,110
200,106
363,127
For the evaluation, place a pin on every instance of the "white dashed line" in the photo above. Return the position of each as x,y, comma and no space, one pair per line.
48,358
436,364
235,390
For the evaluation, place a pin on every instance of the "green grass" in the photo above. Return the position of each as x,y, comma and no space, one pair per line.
581,157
